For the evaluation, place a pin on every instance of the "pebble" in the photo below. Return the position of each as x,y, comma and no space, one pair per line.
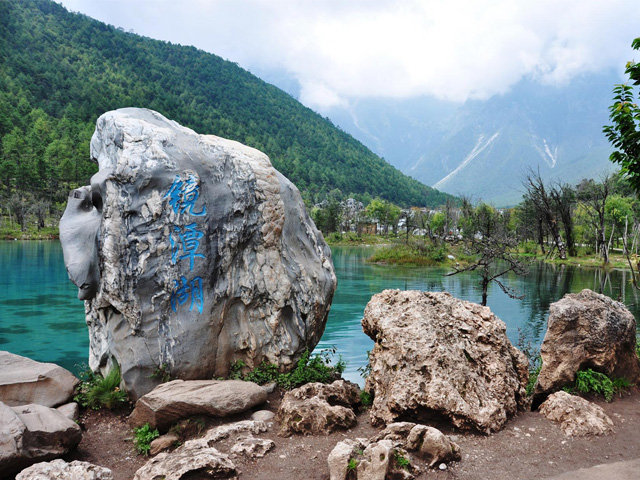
443,466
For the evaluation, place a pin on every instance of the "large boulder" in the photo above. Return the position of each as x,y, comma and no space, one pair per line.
33,433
586,330
173,401
24,381
192,252
577,417
440,358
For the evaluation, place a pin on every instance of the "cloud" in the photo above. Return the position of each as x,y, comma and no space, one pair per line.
340,51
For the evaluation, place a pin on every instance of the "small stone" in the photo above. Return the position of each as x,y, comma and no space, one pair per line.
443,466
162,443
263,415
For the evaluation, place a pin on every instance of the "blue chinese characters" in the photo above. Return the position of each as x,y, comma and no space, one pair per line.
185,241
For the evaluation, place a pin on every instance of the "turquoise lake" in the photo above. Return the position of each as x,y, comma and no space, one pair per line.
41,318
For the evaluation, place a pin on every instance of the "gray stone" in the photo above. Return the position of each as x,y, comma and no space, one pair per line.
317,408
24,381
179,399
263,415
586,330
339,457
33,433
577,417
192,252
61,470
188,462
70,410
214,435
439,357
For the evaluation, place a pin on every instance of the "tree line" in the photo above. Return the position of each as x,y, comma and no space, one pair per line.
59,71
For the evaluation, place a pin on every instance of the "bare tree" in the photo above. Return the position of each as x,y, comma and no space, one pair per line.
542,200
492,245
594,197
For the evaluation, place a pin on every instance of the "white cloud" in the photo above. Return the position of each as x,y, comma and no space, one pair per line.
453,49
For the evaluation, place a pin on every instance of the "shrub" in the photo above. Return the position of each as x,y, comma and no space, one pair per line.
590,381
97,392
143,436
315,368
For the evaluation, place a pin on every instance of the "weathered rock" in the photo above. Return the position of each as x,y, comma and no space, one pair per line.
172,401
216,434
429,443
252,447
586,330
263,415
61,470
192,252
163,442
33,433
188,462
24,381
339,457
577,416
440,358
317,408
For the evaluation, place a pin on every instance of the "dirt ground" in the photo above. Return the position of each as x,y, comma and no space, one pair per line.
529,447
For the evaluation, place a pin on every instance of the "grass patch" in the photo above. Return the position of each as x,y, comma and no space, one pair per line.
98,392
590,381
143,436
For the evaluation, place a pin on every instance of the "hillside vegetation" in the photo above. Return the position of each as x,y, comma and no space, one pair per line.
59,71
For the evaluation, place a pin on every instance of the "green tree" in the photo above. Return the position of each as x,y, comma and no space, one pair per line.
624,133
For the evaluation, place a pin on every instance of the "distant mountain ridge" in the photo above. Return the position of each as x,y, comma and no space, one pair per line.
67,69
484,148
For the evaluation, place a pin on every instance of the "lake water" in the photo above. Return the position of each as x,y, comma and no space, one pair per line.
41,318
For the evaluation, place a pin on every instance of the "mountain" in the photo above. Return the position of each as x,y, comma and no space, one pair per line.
484,148
59,71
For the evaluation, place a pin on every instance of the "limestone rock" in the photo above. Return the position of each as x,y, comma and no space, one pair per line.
216,434
33,433
317,408
61,470
188,462
24,381
252,447
586,330
192,252
163,442
339,457
437,357
178,399
577,416
263,415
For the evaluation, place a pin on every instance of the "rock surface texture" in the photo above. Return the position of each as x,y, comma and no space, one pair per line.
173,401
577,416
61,470
586,330
192,252
33,433
24,381
440,358
319,409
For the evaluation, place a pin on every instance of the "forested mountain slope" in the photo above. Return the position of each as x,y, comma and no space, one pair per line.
59,71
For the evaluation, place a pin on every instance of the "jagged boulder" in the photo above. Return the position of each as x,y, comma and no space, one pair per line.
33,433
61,470
24,381
586,330
192,252
317,408
173,401
440,358
577,417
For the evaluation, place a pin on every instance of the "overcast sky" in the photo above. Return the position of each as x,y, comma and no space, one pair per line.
339,50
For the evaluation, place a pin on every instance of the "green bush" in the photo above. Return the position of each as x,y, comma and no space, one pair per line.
96,392
143,436
590,381
315,368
